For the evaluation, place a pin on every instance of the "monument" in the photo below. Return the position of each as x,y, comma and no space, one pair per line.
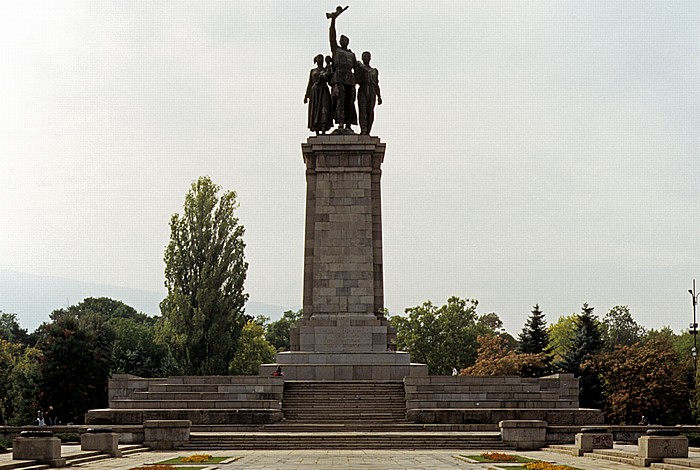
343,366
343,334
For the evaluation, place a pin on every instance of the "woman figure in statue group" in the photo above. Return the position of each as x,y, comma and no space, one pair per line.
319,98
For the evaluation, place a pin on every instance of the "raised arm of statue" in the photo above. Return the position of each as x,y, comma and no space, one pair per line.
332,36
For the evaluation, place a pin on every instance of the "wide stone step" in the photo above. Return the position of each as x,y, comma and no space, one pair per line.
213,388
190,396
346,426
346,440
681,463
613,455
22,465
196,404
671,466
224,380
474,395
134,449
197,416
528,404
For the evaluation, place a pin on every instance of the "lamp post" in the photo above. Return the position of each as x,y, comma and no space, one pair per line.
694,330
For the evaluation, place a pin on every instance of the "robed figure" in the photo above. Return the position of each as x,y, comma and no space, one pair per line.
319,97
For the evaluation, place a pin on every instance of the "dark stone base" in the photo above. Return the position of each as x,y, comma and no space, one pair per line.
578,417
202,416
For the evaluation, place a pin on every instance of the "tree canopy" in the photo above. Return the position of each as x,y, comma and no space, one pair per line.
277,332
643,380
444,337
205,270
620,329
253,350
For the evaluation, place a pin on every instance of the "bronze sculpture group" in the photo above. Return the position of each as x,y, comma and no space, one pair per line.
342,72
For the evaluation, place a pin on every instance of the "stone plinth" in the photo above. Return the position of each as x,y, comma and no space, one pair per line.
345,366
101,440
343,334
166,434
524,435
586,441
47,450
656,448
343,268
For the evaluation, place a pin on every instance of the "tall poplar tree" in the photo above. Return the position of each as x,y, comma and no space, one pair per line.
205,270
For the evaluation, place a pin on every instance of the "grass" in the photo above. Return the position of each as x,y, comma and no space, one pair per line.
179,461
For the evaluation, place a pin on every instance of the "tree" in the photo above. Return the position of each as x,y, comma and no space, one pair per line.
9,353
495,358
561,334
205,270
587,342
76,364
25,389
534,338
10,329
253,350
443,337
135,350
277,332
620,329
128,336
643,380
104,308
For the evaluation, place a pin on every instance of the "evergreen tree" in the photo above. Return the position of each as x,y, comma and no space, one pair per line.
534,338
205,269
587,342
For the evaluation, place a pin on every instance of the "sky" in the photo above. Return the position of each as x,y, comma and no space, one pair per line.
537,151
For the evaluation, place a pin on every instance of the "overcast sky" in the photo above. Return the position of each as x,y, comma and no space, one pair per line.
537,152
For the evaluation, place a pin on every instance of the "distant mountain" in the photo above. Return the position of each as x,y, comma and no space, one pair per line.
33,297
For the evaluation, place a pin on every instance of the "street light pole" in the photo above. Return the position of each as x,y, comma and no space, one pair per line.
694,331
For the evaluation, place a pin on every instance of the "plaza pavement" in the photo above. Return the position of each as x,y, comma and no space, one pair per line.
340,459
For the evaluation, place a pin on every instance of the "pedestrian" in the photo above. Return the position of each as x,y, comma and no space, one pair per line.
50,416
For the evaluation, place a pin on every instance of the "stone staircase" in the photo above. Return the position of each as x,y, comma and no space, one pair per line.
345,415
343,402
345,440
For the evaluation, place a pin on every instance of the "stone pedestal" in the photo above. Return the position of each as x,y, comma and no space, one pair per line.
346,366
47,450
343,333
586,441
343,270
656,448
101,440
524,434
166,434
